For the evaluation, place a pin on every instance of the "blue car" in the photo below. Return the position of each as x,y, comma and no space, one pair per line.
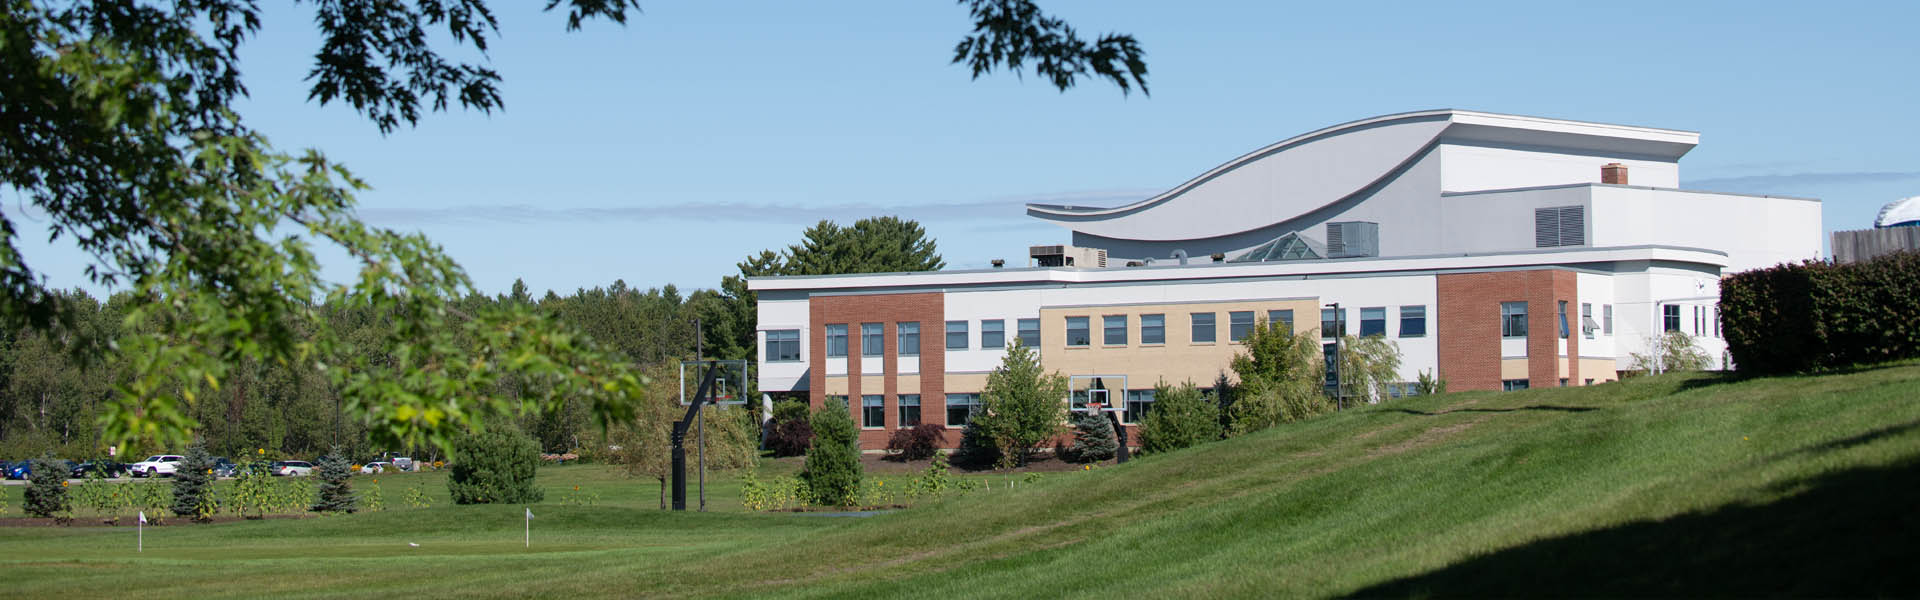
24,469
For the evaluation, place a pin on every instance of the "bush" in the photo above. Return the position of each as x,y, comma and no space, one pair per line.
494,467
336,483
1181,417
791,433
1816,315
976,450
1281,375
919,442
833,470
1093,438
47,490
193,485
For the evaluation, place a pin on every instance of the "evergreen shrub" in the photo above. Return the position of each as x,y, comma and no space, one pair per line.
1181,417
1093,437
494,467
1816,315
47,489
832,472
336,483
193,485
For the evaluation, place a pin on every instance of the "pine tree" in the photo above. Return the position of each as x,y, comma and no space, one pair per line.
495,467
193,485
47,490
833,467
336,486
1093,438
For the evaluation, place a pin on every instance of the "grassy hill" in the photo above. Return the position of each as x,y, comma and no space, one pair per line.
1672,485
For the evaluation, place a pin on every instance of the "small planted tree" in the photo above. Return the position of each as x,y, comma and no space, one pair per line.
1280,379
1093,437
193,485
47,490
495,467
1181,417
1672,351
1368,365
1022,407
976,450
833,469
1430,384
336,484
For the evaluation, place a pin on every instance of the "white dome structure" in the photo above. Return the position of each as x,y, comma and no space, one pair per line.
1899,213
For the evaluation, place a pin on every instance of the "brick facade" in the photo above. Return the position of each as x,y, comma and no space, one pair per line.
1467,321
928,309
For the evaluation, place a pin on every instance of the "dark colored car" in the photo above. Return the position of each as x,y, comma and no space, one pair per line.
107,469
223,467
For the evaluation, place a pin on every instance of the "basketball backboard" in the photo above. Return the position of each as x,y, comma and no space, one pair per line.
1108,391
729,383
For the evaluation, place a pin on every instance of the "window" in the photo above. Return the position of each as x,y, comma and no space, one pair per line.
1029,332
841,399
1139,402
1153,329
1716,321
837,340
1563,319
1563,382
872,339
1281,316
1114,330
1373,321
960,408
909,409
1586,319
1239,324
1670,315
1332,323
1513,319
1606,326
956,335
909,342
783,345
993,334
1078,333
1413,320
1508,385
1559,226
1203,328
873,411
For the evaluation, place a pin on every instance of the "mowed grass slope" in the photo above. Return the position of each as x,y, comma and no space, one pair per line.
1672,485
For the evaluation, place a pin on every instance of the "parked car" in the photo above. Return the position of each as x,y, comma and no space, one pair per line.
24,469
222,467
293,468
108,469
375,468
156,466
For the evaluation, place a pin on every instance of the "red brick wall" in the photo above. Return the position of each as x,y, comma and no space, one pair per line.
1467,319
929,309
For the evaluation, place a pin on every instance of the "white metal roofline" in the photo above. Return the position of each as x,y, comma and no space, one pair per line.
1447,262
1466,117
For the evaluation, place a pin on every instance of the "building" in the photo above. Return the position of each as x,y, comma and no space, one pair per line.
1895,229
1499,251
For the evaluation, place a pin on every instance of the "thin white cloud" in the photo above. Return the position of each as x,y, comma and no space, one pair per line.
738,212
1797,180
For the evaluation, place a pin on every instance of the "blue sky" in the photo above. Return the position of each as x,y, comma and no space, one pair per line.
665,151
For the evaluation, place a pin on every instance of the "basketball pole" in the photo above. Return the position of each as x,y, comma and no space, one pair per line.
700,353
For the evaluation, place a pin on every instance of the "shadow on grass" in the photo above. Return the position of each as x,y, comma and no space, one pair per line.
1544,407
1851,534
1713,378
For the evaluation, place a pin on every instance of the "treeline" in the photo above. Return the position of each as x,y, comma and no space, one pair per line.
51,399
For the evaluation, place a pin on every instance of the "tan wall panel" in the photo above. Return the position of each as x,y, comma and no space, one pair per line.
966,383
1598,369
836,385
907,384
872,384
1178,360
1513,368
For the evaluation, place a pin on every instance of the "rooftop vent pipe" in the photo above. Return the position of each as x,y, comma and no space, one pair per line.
1180,253
999,262
1219,257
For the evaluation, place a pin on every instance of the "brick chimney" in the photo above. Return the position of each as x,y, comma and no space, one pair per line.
1614,173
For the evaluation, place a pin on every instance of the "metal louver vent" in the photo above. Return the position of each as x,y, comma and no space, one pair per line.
1560,226
1336,239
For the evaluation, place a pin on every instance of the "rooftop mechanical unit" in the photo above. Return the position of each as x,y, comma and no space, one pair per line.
1068,256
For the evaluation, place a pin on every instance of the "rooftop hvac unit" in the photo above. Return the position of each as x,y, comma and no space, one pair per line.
1068,256
1353,239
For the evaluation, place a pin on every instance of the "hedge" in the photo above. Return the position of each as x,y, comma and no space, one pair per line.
1816,315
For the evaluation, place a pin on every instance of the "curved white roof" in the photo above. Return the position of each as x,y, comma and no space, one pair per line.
1904,210
1317,169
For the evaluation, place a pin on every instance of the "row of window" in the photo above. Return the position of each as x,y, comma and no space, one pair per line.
1205,326
960,407
1513,319
1706,320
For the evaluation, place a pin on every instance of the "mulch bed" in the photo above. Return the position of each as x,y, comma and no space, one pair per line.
884,464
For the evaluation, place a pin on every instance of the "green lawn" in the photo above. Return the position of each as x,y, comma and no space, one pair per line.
1674,485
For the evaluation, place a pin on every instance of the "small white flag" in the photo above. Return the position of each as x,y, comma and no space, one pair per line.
529,514
143,516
